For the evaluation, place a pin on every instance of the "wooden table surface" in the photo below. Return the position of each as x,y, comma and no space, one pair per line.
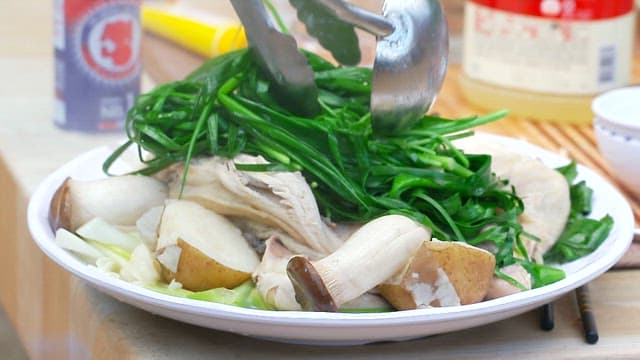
59,316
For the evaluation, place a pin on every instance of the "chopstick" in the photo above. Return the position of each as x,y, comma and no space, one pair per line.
546,317
586,315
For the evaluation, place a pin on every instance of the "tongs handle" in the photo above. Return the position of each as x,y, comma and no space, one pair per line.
278,54
375,24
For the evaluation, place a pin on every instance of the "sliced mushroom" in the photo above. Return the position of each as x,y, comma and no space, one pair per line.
271,278
281,199
258,233
370,256
119,200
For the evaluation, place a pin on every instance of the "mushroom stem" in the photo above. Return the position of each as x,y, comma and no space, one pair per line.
370,256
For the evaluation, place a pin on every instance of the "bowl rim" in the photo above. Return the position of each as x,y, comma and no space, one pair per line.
602,109
604,129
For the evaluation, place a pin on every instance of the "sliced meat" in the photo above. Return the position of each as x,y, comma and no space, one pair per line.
500,288
544,192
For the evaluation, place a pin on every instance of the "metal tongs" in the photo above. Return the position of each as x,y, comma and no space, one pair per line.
410,62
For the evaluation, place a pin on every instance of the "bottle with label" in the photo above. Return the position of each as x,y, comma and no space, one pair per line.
97,62
546,59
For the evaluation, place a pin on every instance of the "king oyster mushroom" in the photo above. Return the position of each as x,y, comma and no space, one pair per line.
271,278
119,200
373,254
283,200
276,288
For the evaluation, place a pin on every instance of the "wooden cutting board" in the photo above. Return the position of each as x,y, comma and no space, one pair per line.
164,61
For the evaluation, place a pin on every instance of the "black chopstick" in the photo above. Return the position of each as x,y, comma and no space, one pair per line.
546,317
586,314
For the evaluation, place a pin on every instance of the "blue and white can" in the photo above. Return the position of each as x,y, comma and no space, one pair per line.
97,62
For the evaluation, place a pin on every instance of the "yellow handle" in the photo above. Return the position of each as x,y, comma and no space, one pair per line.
204,39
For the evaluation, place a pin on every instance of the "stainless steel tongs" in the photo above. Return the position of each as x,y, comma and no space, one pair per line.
410,61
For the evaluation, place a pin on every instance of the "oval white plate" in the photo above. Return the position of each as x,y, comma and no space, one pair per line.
339,328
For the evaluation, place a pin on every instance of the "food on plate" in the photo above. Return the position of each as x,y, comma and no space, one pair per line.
211,252
544,193
441,273
501,287
368,302
118,200
68,240
142,267
582,235
241,200
271,278
112,250
277,290
283,200
374,253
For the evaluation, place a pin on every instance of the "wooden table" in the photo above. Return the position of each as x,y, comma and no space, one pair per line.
59,316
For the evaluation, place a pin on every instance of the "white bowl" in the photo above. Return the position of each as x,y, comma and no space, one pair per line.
617,129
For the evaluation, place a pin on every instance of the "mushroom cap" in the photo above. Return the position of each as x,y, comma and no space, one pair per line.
60,208
311,292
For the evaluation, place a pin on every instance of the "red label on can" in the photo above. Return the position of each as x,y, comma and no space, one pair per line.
97,67
108,34
584,10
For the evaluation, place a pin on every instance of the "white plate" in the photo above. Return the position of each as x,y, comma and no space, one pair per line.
339,328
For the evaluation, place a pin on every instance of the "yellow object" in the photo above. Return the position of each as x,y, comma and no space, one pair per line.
550,107
203,38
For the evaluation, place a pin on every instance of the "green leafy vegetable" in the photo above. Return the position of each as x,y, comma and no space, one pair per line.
227,107
245,295
333,34
543,274
165,289
581,235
